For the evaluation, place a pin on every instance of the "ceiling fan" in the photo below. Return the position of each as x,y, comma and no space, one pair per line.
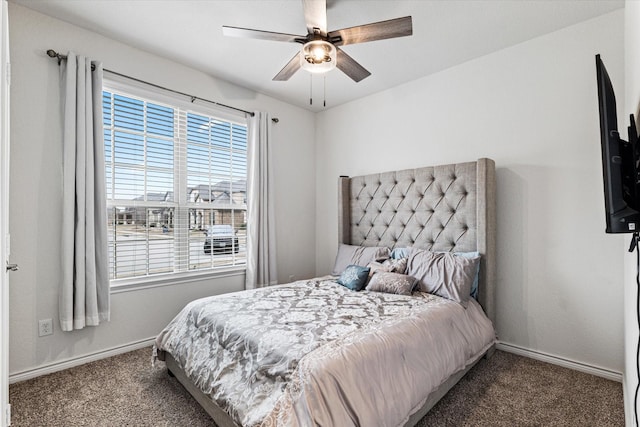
321,48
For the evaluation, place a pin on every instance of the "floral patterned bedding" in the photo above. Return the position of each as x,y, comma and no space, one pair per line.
315,353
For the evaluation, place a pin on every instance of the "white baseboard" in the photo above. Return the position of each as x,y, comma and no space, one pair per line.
510,348
560,361
80,360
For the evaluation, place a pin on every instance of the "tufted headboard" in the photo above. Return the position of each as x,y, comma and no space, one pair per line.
440,208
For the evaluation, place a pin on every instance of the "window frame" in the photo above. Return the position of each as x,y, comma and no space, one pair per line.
185,103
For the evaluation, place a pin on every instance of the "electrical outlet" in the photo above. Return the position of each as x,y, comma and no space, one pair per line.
45,327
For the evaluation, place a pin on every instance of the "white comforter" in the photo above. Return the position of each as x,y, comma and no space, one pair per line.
316,353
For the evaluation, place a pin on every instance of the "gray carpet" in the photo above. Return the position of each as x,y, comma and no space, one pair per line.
505,390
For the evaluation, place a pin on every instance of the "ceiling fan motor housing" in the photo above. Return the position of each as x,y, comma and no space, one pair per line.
318,56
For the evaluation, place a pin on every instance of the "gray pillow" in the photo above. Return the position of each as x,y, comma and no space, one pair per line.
443,274
392,283
358,255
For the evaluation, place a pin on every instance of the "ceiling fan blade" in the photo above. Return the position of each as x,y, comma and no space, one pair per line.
315,15
289,69
261,35
350,67
398,27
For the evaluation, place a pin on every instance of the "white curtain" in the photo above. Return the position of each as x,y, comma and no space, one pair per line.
261,236
84,291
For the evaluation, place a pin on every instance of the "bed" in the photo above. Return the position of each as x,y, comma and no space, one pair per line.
315,352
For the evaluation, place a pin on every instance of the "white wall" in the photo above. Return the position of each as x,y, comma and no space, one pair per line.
533,109
631,105
35,204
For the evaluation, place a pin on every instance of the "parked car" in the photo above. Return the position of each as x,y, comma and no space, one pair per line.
220,238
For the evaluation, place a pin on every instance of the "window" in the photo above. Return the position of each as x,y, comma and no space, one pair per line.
176,187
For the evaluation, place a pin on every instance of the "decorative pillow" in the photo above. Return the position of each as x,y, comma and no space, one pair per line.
443,274
398,253
390,265
358,255
396,265
392,283
354,277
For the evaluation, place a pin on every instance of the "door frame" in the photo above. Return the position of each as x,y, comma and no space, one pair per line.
5,77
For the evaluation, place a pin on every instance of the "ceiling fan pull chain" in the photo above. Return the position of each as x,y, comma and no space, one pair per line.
324,84
310,89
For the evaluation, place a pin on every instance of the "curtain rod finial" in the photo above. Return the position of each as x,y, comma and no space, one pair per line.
275,120
52,53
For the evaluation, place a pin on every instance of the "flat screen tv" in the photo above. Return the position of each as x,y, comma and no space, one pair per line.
620,161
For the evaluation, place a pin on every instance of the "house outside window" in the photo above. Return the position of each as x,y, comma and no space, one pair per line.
176,177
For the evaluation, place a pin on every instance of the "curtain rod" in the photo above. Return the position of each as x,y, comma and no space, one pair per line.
53,54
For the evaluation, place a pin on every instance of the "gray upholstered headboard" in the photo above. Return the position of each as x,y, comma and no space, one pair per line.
440,208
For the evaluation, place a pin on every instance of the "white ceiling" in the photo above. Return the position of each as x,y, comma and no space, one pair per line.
445,33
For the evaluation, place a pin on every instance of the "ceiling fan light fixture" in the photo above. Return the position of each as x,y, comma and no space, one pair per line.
318,56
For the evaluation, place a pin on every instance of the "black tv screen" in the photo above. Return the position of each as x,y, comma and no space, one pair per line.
619,161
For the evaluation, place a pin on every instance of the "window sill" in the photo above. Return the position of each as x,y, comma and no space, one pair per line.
172,279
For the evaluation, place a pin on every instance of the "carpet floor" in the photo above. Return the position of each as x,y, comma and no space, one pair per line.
505,390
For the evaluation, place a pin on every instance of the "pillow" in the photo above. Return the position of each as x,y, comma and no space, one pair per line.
398,253
396,265
474,285
354,277
358,255
443,274
392,283
390,265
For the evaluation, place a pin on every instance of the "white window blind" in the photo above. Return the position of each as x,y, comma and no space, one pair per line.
176,188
